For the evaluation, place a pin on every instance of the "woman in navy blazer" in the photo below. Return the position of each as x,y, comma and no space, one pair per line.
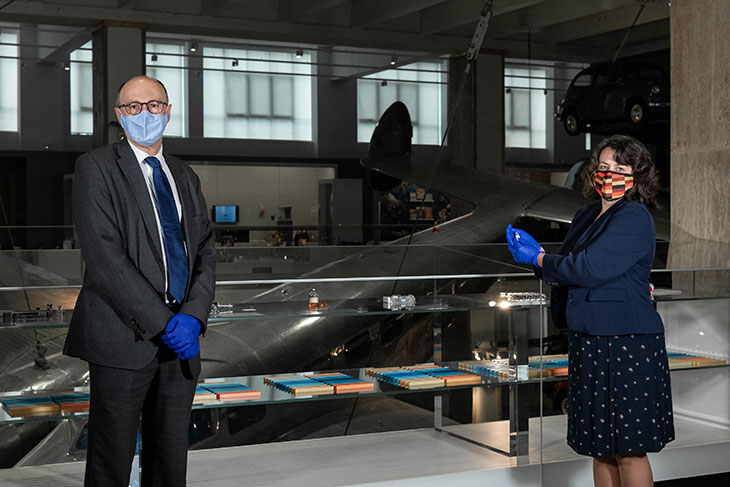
619,392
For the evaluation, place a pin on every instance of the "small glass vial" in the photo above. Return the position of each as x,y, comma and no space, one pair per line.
313,304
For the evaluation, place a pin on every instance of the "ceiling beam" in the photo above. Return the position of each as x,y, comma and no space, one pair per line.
290,10
202,25
61,53
651,46
365,13
447,16
616,19
211,7
549,52
546,14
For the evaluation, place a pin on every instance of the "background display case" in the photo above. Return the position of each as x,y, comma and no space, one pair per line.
490,320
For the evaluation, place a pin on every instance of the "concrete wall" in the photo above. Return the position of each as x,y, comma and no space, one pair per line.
700,134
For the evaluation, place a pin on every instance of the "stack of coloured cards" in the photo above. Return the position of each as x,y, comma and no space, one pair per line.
408,379
231,391
203,395
342,383
451,377
685,361
551,365
498,369
30,406
298,385
72,402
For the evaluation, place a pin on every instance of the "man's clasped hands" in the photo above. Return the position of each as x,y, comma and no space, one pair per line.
181,335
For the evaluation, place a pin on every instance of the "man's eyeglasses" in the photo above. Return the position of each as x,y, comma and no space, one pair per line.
155,107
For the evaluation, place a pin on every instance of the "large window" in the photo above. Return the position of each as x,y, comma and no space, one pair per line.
82,100
420,86
525,107
255,94
167,62
9,80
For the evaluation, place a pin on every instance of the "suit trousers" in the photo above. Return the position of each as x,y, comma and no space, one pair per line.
162,394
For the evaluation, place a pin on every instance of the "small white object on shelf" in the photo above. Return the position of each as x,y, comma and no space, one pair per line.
397,302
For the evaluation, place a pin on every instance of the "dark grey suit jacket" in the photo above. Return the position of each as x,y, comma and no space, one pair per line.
121,312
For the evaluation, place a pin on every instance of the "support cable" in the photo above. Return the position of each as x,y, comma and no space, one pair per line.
628,33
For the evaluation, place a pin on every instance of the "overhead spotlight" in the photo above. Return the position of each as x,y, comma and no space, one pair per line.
193,47
299,53
234,63
508,90
154,58
384,82
66,66
393,60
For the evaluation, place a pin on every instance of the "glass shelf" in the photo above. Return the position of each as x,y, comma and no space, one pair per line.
272,395
337,308
269,394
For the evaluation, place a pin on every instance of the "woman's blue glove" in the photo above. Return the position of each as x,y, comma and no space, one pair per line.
181,332
524,248
525,254
515,235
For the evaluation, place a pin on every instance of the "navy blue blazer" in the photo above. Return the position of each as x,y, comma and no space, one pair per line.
602,270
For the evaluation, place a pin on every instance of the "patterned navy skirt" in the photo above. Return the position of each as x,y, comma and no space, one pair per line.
619,395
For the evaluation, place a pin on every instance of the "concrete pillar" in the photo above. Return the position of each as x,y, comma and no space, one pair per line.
335,127
700,135
118,56
44,100
477,133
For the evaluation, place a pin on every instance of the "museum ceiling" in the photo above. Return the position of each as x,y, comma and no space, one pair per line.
569,30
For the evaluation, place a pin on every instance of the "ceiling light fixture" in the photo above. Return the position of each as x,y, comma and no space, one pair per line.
67,66
193,47
384,82
154,58
299,53
234,63
393,60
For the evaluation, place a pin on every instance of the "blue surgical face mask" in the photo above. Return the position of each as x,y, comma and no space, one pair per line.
144,128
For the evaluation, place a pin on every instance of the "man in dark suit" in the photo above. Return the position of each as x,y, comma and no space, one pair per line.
149,283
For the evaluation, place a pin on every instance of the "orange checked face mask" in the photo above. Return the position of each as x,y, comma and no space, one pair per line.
612,185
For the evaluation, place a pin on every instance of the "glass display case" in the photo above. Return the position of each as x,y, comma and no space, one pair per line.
472,327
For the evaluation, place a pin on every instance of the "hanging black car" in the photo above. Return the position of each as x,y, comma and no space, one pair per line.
620,91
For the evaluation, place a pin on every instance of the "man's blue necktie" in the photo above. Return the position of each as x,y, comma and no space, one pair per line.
177,261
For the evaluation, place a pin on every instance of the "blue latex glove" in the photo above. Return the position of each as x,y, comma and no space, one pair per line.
524,248
515,235
181,332
525,254
189,352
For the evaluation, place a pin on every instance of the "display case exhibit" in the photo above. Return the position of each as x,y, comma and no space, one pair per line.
462,382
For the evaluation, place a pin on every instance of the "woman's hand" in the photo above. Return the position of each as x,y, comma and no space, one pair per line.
524,248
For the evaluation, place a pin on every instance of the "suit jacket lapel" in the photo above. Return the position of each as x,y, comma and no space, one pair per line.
578,227
596,227
130,168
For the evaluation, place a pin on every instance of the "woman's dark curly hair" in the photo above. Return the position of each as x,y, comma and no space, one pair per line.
630,152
